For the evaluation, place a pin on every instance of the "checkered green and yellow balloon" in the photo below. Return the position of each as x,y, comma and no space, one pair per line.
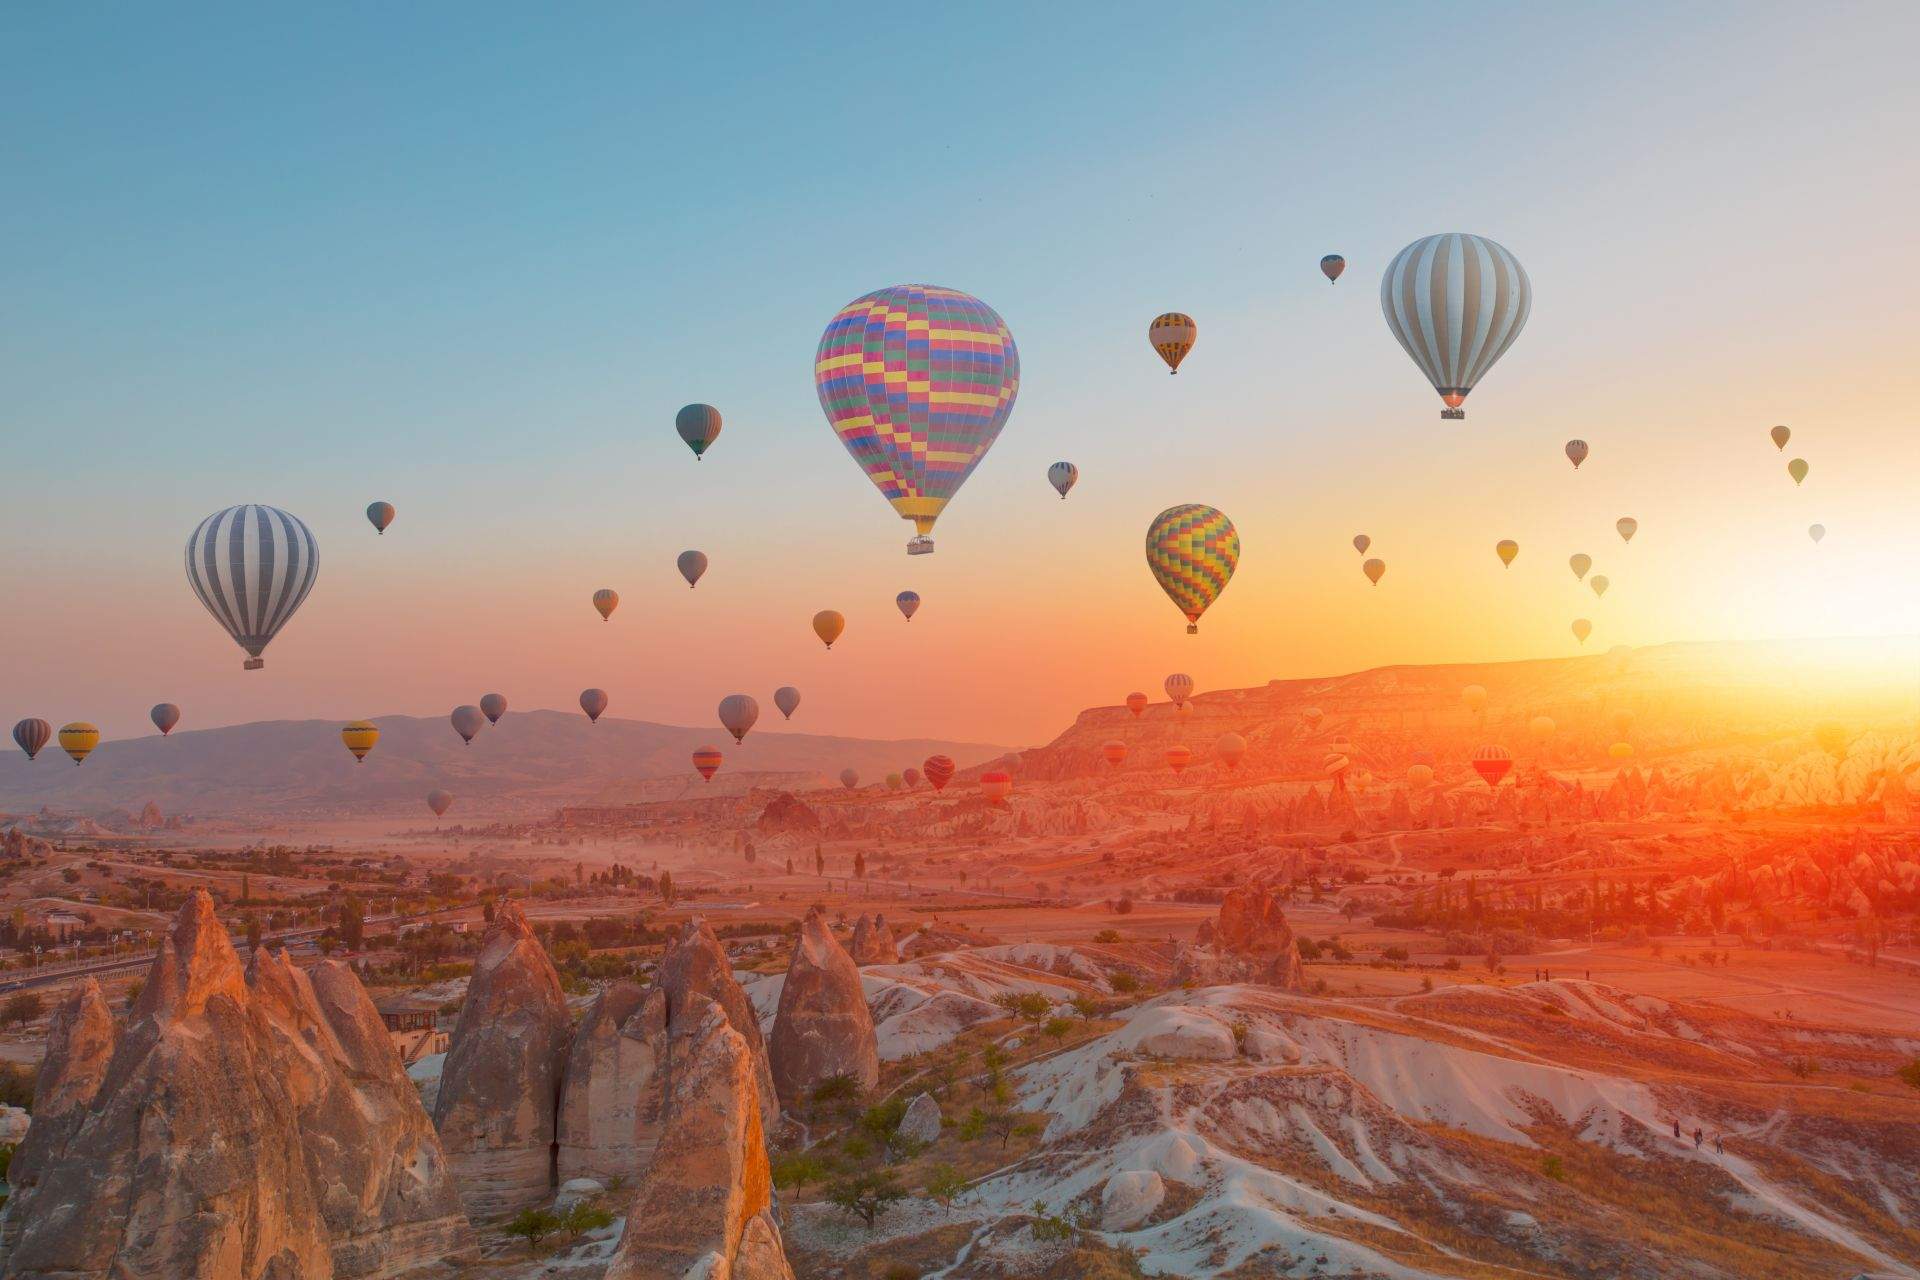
1192,550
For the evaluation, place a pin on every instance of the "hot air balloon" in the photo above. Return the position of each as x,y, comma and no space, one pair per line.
1230,747
439,802
692,565
1474,698
1816,532
1375,570
1331,266
1115,752
1621,750
1361,542
1622,722
1313,716
1136,703
359,738
1627,526
1541,727
917,381
828,625
1576,452
938,770
1582,629
1492,763
1335,765
1420,775
1506,549
1797,469
1455,302
1179,687
849,778
908,603
606,600
251,566
911,777
495,706
380,515
996,785
738,711
164,716
1192,550
1173,336
1178,757
1780,437
593,702
786,697
895,782
1063,476
699,426
468,720
1600,584
79,739
32,734
1580,562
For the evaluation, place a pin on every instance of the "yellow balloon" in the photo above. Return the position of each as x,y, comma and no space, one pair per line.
1582,629
1797,469
360,737
1375,570
78,739
1600,584
1506,549
1621,750
828,624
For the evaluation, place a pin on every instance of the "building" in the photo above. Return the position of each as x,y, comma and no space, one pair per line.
414,1028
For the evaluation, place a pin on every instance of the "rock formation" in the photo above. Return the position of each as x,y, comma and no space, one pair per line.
822,1027
921,1120
611,1100
254,1127
500,1088
704,1205
697,965
1251,927
787,813
873,941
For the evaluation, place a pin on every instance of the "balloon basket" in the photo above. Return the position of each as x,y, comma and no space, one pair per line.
253,664
1453,415
920,545
1193,628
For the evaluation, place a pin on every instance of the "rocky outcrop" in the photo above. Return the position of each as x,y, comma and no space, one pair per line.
697,965
921,1120
788,814
1252,926
873,941
500,1088
704,1207
80,1043
822,1027
611,1101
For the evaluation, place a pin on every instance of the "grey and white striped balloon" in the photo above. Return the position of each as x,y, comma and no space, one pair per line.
251,566
1456,302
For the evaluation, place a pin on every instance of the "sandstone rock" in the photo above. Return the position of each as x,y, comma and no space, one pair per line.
1251,924
873,942
576,1191
704,1207
1130,1198
500,1088
787,813
822,1027
922,1119
697,965
610,1102
80,1043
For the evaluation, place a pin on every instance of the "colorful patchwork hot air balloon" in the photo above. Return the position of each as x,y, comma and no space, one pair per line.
380,515
1192,550
1178,757
164,716
699,426
78,740
1063,476
908,602
606,600
1492,763
828,624
1173,336
738,711
787,698
495,706
1331,266
938,770
996,785
1455,302
439,802
1136,703
32,734
1115,752
594,703
359,738
917,381
252,566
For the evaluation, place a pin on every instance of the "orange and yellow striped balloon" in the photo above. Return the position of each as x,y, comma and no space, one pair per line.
1173,335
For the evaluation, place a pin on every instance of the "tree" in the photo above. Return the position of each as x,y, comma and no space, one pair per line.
253,932
1056,1029
944,1185
666,887
839,1087
583,1216
866,1195
353,924
535,1225
22,1009
796,1170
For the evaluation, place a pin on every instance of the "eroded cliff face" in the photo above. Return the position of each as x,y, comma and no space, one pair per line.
822,1027
500,1088
611,1100
697,965
242,1125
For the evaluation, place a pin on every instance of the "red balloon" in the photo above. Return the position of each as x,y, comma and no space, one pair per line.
938,770
1492,763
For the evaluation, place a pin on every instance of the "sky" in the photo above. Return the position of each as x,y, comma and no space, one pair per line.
471,259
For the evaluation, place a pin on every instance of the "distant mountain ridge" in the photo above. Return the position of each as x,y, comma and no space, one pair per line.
530,761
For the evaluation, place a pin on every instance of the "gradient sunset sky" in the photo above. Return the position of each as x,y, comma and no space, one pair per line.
471,258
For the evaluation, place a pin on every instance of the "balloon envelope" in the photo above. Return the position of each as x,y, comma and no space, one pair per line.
996,785
467,721
494,705
692,565
252,566
1331,266
439,801
31,734
1780,437
1816,532
79,739
699,426
1580,562
895,782
593,702
738,711
1455,303
1313,716
606,600
1582,629
1063,476
164,716
1114,751
1192,550
1620,750
707,761
1506,549
828,624
849,778
1375,570
1420,775
1600,584
911,777
1173,335
380,515
1179,687
1541,726
1576,452
1797,469
1230,747
359,737
1361,542
786,697
938,770
1136,703
917,381
1627,526
1492,763
1178,757
908,602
